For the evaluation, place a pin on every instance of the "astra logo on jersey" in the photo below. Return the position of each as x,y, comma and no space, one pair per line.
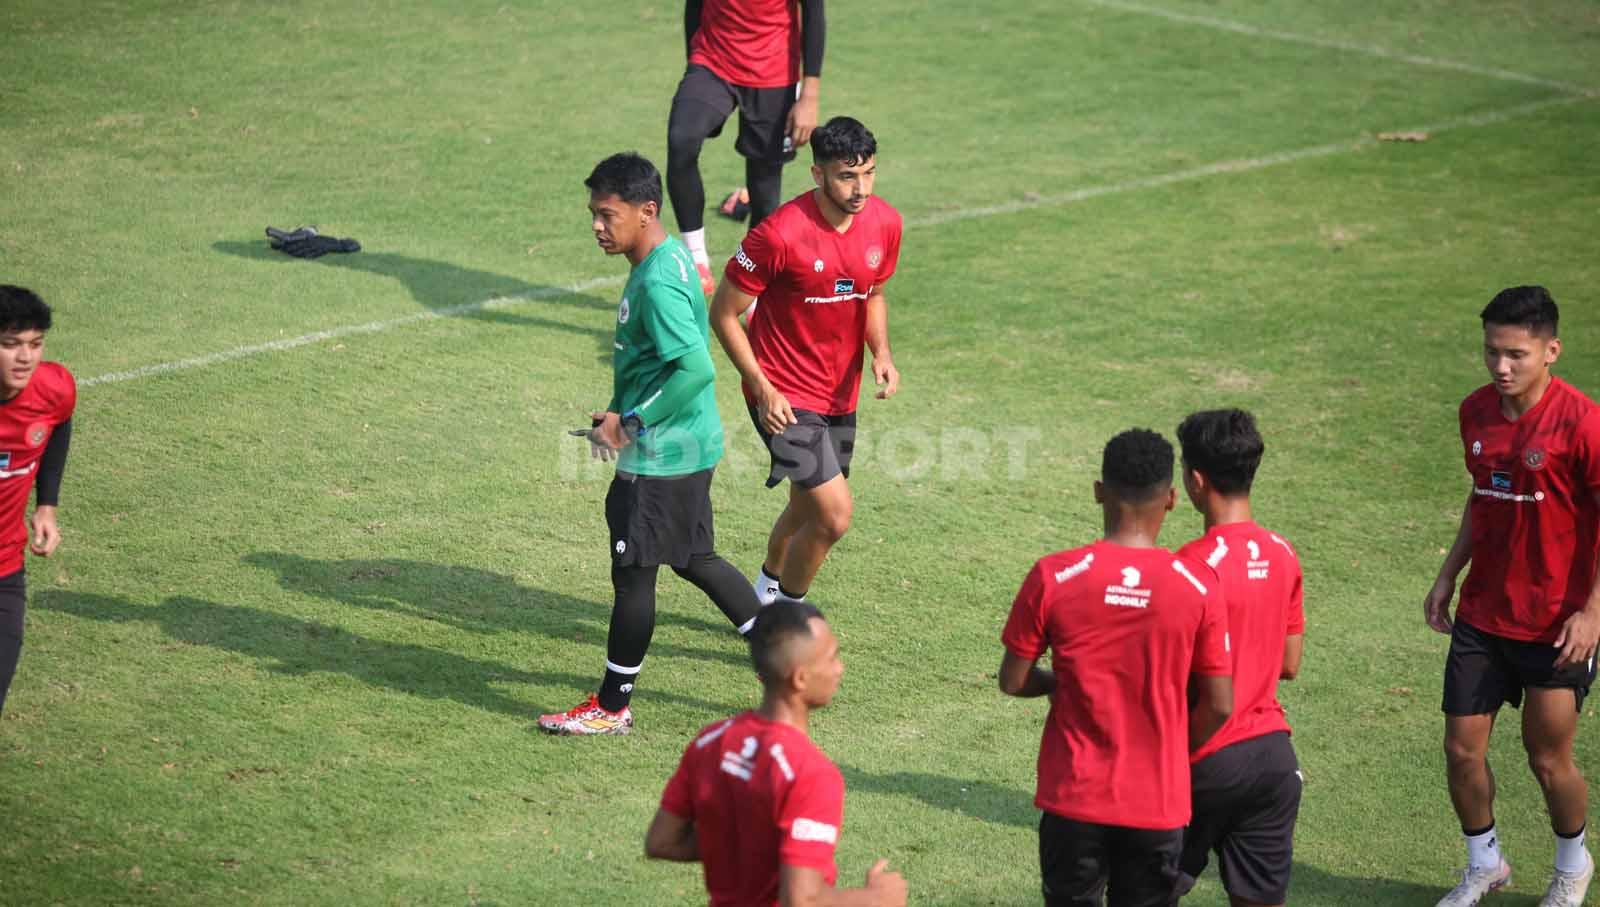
812,830
1128,595
743,259
1256,568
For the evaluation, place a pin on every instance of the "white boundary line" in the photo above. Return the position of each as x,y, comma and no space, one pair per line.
1333,44
931,220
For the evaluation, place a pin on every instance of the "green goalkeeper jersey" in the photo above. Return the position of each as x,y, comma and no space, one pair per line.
662,319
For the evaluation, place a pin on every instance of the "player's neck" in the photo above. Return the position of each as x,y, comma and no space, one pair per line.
1220,510
1133,527
780,709
653,236
837,217
1514,408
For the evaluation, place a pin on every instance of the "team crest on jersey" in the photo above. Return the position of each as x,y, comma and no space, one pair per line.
1533,458
37,432
622,311
874,257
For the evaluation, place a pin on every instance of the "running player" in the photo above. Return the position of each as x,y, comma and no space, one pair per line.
1245,779
1525,630
663,422
36,400
1130,627
753,798
819,265
746,54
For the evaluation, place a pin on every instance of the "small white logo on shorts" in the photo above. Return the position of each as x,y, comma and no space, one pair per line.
626,688
622,547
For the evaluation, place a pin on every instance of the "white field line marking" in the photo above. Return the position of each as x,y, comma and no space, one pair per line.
1334,44
931,220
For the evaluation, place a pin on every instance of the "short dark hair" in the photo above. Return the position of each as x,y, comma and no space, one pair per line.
21,309
627,175
1529,307
1137,465
776,627
1224,446
842,139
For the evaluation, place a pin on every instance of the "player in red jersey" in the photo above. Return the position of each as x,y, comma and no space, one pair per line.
747,54
753,798
819,265
36,400
1526,628
1245,780
1131,628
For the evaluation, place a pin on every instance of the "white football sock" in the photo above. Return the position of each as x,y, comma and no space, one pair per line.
766,586
696,241
1570,855
1483,851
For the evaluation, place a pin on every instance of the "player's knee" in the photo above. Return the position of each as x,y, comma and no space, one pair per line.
1462,753
683,144
1550,765
832,524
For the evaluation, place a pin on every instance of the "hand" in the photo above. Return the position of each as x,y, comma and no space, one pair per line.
802,120
1436,606
1578,638
887,376
607,436
774,410
43,534
890,887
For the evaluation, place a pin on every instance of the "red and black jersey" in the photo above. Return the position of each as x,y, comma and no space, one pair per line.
813,283
1535,522
753,43
26,423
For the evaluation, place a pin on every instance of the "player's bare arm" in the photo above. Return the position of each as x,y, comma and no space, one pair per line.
1293,647
802,120
671,838
1024,679
773,409
1213,703
883,370
43,533
1580,635
802,886
1436,606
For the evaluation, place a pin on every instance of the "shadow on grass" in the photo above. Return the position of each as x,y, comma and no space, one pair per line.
301,647
973,797
1319,886
442,286
476,600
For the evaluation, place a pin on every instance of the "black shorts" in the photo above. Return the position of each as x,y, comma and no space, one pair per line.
703,102
1246,798
811,451
658,520
1484,671
1086,864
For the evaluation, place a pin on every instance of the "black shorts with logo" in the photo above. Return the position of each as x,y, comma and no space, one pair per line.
811,451
1484,671
656,520
1246,799
704,101
1082,863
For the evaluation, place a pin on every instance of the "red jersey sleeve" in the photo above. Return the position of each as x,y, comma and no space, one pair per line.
809,822
1213,654
1295,624
1461,425
760,258
1024,633
678,798
1587,451
891,252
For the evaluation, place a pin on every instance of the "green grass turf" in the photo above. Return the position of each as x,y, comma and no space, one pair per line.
310,601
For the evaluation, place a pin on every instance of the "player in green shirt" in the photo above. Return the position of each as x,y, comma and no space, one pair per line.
663,426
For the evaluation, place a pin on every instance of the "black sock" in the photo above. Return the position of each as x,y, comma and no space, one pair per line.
633,622
797,596
725,586
768,574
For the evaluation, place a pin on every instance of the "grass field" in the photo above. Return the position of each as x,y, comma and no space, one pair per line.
327,555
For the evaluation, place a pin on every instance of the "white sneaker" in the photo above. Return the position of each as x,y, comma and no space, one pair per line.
1568,888
1475,883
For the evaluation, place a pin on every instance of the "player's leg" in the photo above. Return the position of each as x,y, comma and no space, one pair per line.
783,530
765,145
1256,857
764,183
1072,862
718,579
13,602
824,513
1549,727
699,108
1477,680
1143,867
1214,785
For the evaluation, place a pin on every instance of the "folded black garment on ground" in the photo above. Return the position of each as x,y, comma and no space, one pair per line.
306,242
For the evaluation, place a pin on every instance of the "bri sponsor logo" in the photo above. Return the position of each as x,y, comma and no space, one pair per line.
743,259
812,830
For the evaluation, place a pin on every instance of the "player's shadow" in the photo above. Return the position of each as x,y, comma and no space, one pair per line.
983,800
296,647
481,601
451,289
1313,885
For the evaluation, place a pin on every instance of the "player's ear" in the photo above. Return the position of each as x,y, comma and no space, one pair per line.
816,175
1172,498
1552,351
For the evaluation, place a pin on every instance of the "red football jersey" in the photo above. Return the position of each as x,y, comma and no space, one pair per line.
1125,628
1534,517
760,794
1260,576
26,422
753,43
813,283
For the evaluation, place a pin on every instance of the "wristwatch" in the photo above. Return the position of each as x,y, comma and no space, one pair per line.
632,425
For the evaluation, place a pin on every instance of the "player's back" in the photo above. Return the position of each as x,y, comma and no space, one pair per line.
760,794
1261,582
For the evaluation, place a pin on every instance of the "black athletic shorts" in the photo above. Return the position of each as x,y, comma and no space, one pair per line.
703,102
1086,864
811,451
658,520
1483,671
1246,798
